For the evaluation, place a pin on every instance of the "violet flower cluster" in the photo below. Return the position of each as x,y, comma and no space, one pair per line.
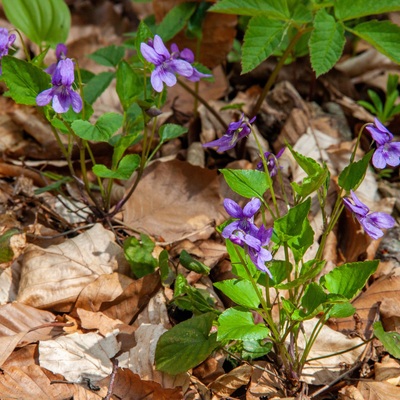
62,77
236,131
387,152
6,41
243,232
372,223
167,64
271,161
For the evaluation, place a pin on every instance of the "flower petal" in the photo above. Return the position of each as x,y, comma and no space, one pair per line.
378,159
382,220
150,54
251,207
233,208
45,97
76,101
156,80
160,48
181,67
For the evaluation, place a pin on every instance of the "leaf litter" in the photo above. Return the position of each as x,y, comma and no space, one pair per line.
71,312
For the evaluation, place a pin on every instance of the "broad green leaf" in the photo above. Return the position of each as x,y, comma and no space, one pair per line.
352,176
341,310
97,85
253,349
143,34
166,272
384,35
345,9
121,144
280,270
126,167
108,56
42,21
262,38
313,270
348,279
390,340
299,12
24,80
101,131
326,42
272,8
194,28
171,131
291,225
300,244
129,84
237,323
312,299
237,267
139,255
240,291
185,345
247,183
192,264
175,20
6,252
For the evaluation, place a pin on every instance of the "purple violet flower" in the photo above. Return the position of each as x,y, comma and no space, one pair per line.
271,161
167,65
62,94
387,152
61,54
372,223
6,41
236,131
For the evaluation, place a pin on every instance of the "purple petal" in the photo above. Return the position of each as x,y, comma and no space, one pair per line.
61,51
233,208
181,67
370,229
382,220
76,101
61,102
187,55
251,207
224,143
45,97
197,75
359,203
229,230
150,55
156,80
378,159
160,48
64,73
167,76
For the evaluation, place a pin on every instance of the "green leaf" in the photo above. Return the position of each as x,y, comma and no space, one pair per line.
129,84
301,243
291,224
352,176
167,274
345,9
108,56
384,35
262,38
171,131
6,252
126,167
192,264
247,183
42,21
390,340
175,20
143,34
272,8
341,310
24,80
348,279
312,299
237,323
326,42
101,131
96,86
185,345
240,291
237,267
139,255
280,270
253,349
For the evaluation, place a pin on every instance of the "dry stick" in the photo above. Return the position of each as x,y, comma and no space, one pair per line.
112,379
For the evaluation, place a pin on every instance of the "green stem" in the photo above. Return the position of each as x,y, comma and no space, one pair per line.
28,57
205,104
272,78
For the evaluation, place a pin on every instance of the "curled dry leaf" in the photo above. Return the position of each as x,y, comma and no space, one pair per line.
129,386
118,296
388,371
52,278
175,200
371,390
264,383
78,356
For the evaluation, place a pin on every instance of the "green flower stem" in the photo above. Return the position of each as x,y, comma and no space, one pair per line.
26,51
272,78
66,153
205,104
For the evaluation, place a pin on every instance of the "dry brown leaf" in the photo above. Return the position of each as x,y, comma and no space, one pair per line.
226,384
52,278
264,383
175,200
78,356
388,371
140,359
9,282
350,393
129,386
119,296
378,390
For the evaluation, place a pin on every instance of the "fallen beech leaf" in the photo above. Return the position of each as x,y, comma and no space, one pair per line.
264,383
52,278
140,359
79,356
31,382
226,384
378,390
119,296
388,371
175,199
129,386
350,393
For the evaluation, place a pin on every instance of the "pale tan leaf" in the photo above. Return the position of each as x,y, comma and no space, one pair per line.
119,296
264,383
140,359
388,371
350,393
79,356
129,386
378,390
175,200
9,282
226,384
53,278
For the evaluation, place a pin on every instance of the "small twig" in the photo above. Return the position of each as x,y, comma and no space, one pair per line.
112,379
